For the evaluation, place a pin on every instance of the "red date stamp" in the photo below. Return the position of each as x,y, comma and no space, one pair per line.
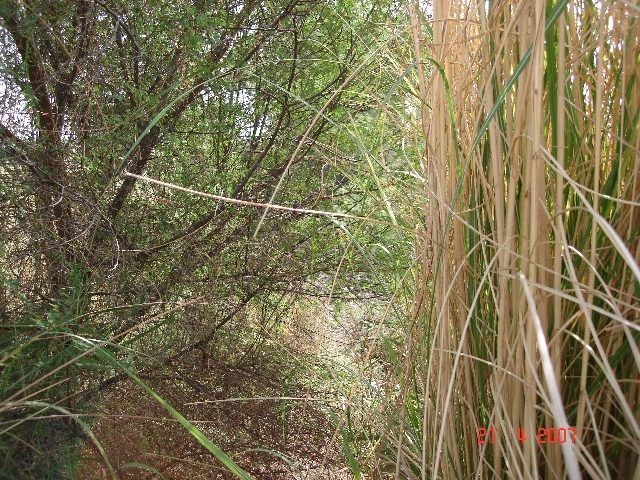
545,435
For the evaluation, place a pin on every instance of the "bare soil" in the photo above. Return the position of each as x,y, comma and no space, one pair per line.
235,398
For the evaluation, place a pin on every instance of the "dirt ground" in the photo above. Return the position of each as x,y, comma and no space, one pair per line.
236,400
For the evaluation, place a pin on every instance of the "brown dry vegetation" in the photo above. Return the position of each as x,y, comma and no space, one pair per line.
236,394
526,302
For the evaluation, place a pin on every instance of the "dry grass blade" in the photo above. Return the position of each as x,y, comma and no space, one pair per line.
573,469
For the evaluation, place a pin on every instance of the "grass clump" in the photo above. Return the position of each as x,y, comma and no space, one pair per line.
524,316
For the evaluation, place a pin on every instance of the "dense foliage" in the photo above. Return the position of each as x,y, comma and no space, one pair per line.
103,272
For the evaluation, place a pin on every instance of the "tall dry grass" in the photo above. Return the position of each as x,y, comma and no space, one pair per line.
527,304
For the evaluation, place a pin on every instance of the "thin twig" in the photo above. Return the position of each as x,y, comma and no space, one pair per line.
270,206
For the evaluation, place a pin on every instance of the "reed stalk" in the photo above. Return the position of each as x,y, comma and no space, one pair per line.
525,315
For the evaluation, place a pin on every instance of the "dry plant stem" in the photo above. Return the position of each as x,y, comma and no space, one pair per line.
592,253
416,36
497,167
533,199
258,204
